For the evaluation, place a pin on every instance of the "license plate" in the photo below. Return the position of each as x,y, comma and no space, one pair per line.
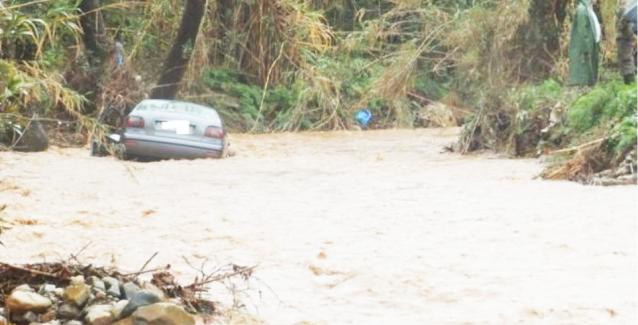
177,126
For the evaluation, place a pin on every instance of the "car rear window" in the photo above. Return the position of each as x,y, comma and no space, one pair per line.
178,107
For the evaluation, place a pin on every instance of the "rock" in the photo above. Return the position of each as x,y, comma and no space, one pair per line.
24,287
99,315
49,316
69,311
154,289
34,139
92,299
47,288
130,290
59,292
125,321
17,319
22,301
112,286
77,293
31,317
163,314
98,285
142,298
118,308
73,322
53,322
98,295
77,279
50,291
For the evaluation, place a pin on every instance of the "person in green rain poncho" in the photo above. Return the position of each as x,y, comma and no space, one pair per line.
584,46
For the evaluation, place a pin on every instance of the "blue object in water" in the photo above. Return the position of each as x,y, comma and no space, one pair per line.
363,117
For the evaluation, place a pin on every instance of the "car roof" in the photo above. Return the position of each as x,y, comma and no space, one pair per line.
177,106
172,101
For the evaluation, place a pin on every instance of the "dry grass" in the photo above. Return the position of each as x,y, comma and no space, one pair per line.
587,160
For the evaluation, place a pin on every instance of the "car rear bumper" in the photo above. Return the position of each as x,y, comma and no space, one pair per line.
161,148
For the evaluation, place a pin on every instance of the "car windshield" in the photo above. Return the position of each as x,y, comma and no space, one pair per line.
178,107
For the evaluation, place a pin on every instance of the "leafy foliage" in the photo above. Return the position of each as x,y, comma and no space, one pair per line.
610,106
33,40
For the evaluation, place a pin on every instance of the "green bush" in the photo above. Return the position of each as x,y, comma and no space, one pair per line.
608,103
624,137
532,97
277,101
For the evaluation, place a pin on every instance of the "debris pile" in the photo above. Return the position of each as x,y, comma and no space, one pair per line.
65,294
625,174
591,165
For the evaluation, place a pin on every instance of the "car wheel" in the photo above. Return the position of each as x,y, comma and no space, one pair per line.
97,149
120,152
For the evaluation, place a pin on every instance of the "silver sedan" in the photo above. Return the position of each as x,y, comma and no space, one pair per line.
168,129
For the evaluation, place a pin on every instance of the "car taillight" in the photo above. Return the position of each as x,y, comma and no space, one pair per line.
134,122
214,132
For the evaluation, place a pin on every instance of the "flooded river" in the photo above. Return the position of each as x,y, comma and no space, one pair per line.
372,227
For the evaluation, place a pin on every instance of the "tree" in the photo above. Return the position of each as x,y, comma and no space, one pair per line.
181,52
93,27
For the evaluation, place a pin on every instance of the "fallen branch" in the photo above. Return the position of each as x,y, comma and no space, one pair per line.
32,271
158,269
579,147
238,270
148,261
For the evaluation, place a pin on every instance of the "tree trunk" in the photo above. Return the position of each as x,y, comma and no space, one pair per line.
93,27
540,36
181,52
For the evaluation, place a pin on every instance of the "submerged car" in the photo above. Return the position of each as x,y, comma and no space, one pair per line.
169,129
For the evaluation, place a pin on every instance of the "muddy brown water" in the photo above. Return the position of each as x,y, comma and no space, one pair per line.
347,228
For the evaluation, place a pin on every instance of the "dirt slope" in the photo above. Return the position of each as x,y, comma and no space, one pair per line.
350,227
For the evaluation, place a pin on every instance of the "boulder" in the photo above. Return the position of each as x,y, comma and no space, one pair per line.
50,291
98,285
163,313
23,301
77,279
49,316
142,298
130,290
77,293
33,139
112,286
53,322
99,315
125,321
31,317
118,308
154,289
73,322
59,292
24,287
47,288
69,311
